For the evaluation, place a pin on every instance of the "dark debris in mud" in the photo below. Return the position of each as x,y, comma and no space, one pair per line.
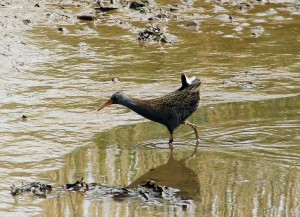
78,186
238,19
154,34
149,192
151,34
35,188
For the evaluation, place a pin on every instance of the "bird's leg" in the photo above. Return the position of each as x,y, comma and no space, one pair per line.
171,141
195,130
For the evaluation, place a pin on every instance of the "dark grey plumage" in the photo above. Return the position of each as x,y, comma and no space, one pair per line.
170,110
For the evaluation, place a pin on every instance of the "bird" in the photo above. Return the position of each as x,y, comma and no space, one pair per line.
170,110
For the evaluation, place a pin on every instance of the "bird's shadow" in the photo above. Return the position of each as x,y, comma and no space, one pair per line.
174,173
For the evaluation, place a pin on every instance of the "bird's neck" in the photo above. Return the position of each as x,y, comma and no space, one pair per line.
135,105
140,106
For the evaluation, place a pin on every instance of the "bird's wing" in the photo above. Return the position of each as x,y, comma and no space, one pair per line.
182,98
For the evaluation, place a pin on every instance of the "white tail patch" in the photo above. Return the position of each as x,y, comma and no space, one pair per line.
190,80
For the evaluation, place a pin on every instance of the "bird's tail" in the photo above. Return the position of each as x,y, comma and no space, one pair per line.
188,83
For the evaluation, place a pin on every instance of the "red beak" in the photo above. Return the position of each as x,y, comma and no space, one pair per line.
108,103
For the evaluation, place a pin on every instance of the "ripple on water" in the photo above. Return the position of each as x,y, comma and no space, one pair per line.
270,139
163,144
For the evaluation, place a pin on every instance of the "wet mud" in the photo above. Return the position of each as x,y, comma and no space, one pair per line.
60,60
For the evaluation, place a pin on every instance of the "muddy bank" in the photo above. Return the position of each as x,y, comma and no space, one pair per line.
149,21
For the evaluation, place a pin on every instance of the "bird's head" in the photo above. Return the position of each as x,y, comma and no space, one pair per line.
116,98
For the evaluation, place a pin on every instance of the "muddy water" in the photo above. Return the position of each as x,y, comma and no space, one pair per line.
248,159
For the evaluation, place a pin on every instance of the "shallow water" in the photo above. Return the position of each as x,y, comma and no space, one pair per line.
247,163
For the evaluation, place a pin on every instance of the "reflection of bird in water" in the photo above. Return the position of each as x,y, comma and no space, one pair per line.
170,110
174,174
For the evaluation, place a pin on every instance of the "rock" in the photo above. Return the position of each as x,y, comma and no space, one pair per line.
26,21
244,6
62,30
24,118
154,34
86,17
137,5
105,9
174,8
